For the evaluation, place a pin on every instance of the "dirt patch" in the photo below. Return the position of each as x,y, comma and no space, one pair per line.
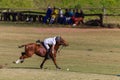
3,66
55,29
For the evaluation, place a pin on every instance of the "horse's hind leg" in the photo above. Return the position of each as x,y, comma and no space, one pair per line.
21,59
18,61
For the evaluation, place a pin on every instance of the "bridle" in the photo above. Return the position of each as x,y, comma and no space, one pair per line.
62,45
60,49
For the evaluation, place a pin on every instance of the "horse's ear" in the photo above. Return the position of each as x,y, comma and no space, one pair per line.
61,38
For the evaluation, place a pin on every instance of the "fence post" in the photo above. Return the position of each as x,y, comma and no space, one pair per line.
103,14
104,11
101,19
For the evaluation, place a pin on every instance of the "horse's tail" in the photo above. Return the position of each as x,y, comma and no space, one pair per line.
21,46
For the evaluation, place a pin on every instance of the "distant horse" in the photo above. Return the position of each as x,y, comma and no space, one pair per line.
40,50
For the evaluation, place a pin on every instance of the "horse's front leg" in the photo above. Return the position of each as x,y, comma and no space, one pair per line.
53,56
41,66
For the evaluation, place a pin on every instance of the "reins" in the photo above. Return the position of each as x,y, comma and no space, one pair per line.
60,49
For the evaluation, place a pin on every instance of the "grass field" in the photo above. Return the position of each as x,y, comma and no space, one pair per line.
92,54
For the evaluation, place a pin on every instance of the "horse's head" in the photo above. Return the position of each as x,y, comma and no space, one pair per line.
61,41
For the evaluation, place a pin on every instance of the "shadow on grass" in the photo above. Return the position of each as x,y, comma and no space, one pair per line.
23,68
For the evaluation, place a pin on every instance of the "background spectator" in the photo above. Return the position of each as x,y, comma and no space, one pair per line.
54,15
66,16
48,15
78,17
60,16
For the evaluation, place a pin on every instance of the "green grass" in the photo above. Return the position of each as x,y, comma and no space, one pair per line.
58,3
90,51
36,4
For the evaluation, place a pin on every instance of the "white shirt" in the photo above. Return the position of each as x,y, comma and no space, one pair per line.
50,41
61,13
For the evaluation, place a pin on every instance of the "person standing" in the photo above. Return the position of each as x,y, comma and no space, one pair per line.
48,15
54,15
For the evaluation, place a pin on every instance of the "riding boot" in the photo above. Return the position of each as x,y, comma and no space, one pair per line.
48,54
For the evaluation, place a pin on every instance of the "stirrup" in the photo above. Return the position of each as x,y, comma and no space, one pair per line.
48,54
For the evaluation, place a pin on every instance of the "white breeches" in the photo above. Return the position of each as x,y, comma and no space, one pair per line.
47,46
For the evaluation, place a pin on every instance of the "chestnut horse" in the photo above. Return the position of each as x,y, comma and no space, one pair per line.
40,50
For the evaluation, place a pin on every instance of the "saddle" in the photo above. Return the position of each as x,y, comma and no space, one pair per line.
42,43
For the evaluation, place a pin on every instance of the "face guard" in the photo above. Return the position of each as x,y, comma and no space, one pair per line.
58,38
61,41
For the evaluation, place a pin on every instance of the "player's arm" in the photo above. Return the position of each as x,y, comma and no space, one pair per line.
53,49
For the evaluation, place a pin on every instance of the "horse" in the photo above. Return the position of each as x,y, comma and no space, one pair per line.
40,50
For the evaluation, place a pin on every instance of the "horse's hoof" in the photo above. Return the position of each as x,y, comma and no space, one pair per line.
41,67
58,68
21,61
